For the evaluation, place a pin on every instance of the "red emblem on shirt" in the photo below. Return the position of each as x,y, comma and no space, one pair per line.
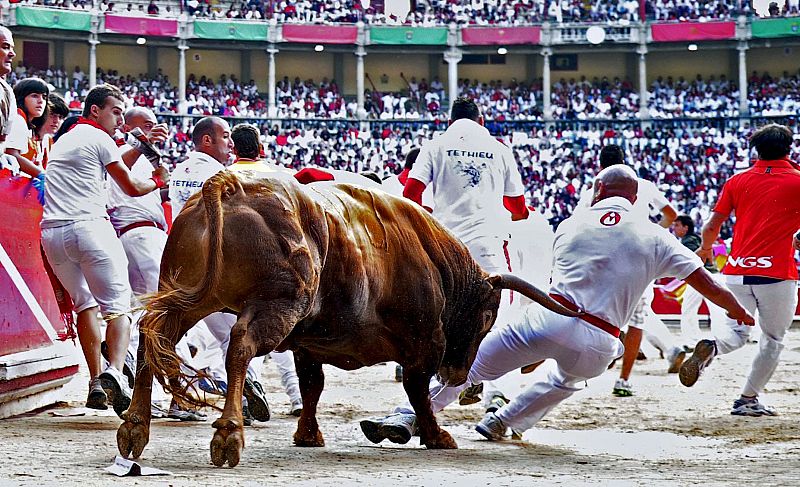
610,219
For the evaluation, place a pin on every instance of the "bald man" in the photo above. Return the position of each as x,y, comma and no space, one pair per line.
604,258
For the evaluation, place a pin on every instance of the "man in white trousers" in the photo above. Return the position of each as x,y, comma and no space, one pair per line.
604,258
477,190
648,198
213,145
761,269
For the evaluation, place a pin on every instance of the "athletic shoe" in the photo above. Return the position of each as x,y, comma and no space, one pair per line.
675,359
296,408
213,386
256,400
496,403
116,387
177,412
247,418
491,428
751,407
128,368
471,394
97,398
398,373
703,354
397,428
622,388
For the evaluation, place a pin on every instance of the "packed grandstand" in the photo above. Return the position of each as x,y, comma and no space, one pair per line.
689,140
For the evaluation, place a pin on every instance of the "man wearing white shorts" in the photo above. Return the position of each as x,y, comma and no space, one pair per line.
604,258
81,243
761,269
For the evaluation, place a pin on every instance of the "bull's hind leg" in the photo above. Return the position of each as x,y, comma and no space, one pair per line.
134,433
431,435
312,381
260,328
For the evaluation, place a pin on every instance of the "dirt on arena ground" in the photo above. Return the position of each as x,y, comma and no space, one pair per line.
664,435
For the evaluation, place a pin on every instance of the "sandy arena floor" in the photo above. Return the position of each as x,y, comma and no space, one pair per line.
665,435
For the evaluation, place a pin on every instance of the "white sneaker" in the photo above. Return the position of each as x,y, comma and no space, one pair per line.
116,386
622,388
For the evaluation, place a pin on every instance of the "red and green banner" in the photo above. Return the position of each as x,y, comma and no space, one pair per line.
141,26
493,36
788,27
435,36
320,34
50,18
230,31
693,31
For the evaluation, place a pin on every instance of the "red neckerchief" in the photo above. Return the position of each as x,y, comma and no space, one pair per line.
22,114
403,176
86,121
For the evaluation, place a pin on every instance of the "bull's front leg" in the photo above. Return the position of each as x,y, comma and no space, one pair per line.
431,435
312,381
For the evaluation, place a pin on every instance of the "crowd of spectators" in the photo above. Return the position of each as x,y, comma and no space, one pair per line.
571,99
434,12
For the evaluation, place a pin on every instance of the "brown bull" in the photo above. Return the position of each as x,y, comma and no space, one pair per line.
340,274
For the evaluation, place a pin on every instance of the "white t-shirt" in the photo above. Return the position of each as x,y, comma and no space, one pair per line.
19,134
605,257
188,178
648,197
75,189
125,210
470,172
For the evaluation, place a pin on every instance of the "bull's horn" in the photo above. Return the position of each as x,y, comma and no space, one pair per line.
514,283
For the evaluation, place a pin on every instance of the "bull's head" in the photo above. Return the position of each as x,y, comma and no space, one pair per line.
477,318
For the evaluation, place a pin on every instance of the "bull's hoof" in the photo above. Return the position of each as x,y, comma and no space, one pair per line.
308,439
228,442
132,437
443,441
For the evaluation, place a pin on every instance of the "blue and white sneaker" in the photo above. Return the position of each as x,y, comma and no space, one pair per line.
492,428
213,386
751,407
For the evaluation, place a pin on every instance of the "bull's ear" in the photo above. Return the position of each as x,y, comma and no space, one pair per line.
495,280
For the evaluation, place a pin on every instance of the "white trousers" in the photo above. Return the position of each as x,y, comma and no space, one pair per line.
291,384
653,327
220,324
144,247
690,324
775,304
580,350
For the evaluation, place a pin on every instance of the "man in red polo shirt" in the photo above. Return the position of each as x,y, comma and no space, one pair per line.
761,270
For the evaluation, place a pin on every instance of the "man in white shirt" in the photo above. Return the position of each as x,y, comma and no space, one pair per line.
82,246
211,137
396,184
648,198
213,146
475,183
604,258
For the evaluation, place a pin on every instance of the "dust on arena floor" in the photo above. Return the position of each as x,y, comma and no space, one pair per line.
664,435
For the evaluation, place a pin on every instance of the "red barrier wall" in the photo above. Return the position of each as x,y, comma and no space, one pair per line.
20,214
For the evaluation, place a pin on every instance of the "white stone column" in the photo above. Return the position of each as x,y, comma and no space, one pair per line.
644,112
452,56
271,98
182,47
547,108
93,42
360,53
744,107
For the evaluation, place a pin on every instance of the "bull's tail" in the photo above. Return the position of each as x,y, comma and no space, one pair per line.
162,324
